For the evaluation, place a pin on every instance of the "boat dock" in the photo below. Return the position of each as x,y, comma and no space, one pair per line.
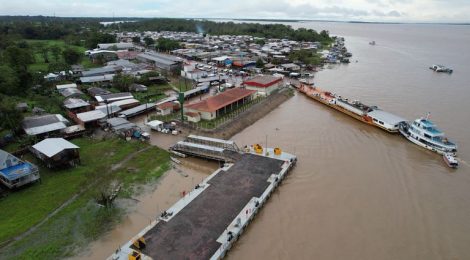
206,222
208,148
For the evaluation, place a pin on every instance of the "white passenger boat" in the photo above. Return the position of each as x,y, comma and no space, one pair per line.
424,133
450,160
441,68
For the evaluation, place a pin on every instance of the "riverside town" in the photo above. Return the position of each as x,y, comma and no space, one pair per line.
186,138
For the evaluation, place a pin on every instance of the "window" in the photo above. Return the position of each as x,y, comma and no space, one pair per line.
380,122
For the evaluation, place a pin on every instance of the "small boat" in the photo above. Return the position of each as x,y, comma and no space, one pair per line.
450,160
372,43
441,68
424,133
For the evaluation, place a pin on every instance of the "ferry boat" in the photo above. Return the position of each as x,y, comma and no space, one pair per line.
450,160
368,114
424,133
441,68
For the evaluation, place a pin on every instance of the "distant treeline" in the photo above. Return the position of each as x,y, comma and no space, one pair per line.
78,29
279,31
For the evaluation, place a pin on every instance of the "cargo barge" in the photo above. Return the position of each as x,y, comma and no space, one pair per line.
371,115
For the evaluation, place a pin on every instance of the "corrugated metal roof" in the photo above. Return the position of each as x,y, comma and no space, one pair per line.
223,99
72,85
209,139
53,146
71,103
386,117
91,115
44,124
91,79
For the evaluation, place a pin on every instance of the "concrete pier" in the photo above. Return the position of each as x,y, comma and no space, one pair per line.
208,220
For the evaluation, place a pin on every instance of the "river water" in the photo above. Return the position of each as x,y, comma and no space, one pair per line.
358,192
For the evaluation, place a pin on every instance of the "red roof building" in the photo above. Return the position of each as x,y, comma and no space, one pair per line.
218,105
264,85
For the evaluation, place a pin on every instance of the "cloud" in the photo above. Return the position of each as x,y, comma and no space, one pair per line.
366,10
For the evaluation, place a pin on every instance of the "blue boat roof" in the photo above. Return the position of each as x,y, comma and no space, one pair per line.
427,122
17,171
434,131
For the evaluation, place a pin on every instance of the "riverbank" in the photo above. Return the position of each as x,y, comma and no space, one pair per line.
59,216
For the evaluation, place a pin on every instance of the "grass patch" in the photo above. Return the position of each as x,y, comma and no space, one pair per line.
83,220
154,93
40,63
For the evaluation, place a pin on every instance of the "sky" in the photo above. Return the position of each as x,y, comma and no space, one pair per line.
340,10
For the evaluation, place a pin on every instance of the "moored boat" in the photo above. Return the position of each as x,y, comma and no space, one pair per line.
441,68
450,160
424,133
368,114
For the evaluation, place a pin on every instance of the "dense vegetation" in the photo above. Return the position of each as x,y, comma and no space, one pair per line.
305,56
230,28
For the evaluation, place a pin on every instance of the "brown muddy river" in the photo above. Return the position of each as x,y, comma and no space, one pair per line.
358,192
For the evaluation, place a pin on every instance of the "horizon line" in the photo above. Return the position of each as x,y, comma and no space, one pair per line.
246,19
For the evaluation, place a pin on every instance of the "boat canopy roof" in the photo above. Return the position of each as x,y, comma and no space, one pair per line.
386,117
426,122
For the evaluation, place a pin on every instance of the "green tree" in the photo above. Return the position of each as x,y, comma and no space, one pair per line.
56,51
123,81
94,38
10,117
136,39
167,44
260,41
71,56
259,63
9,82
148,41
19,58
58,66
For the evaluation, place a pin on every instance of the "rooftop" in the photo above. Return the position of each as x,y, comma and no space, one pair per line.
221,100
35,125
72,103
52,146
262,81
114,97
91,116
100,78
386,117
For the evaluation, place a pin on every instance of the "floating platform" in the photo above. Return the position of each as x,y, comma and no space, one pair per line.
206,222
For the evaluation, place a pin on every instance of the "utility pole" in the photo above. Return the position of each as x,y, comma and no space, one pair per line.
181,99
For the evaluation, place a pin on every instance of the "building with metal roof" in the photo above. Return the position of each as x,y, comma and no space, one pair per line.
74,103
221,104
91,116
264,85
56,152
44,124
93,79
161,61
113,97
117,46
